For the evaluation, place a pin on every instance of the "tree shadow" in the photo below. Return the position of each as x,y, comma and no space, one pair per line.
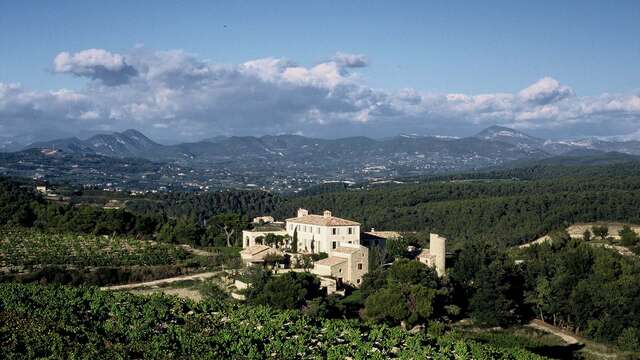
563,352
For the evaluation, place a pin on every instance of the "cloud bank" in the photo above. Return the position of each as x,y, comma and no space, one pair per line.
179,96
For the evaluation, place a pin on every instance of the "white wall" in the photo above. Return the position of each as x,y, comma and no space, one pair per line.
323,236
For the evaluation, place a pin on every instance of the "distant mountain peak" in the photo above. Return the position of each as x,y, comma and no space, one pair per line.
496,131
134,132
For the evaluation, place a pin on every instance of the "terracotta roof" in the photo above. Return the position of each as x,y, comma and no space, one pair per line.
322,220
255,249
330,261
383,234
345,250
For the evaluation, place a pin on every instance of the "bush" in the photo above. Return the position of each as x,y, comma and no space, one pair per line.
288,291
629,339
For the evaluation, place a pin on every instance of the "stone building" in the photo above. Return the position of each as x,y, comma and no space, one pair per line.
322,233
348,259
347,263
434,256
250,237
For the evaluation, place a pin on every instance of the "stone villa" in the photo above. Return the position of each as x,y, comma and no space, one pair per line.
322,233
348,253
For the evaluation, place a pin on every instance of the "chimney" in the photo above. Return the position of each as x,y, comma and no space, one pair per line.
327,214
302,212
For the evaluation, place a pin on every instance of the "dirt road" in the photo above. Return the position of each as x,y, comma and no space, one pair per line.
200,276
569,339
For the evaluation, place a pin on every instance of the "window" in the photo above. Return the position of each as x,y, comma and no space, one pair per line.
334,231
359,266
334,244
358,281
350,231
340,270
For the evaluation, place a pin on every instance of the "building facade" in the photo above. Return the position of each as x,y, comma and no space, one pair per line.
347,264
250,237
322,233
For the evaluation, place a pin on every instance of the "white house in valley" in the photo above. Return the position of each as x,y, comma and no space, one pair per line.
348,253
322,233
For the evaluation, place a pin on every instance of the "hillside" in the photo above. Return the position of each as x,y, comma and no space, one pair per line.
504,211
60,321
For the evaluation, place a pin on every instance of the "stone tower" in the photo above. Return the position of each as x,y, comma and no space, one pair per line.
437,248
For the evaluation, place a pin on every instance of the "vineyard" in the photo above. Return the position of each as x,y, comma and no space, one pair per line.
66,322
23,247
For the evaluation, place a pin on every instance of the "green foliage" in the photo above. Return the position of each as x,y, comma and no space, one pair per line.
401,303
22,247
257,277
588,289
405,271
205,205
387,305
396,248
181,221
408,292
228,225
600,231
288,291
65,322
507,212
294,241
319,256
629,339
628,237
499,294
211,291
17,203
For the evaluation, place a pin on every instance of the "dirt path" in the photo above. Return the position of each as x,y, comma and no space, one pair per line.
200,276
620,249
569,338
539,240
196,251
194,295
566,337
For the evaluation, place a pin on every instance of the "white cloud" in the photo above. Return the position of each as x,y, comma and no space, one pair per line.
546,90
176,94
97,64
350,60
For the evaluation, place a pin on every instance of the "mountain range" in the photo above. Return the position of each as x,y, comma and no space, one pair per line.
496,142
293,161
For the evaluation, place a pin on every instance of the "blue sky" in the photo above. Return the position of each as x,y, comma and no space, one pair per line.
432,48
